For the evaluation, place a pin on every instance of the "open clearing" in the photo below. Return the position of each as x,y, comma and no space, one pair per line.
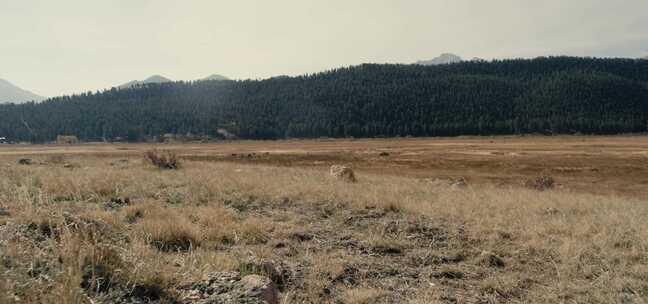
593,164
93,223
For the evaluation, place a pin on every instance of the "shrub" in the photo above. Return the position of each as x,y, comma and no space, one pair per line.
25,161
162,159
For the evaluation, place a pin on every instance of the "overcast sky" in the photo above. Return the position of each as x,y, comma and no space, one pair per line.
66,46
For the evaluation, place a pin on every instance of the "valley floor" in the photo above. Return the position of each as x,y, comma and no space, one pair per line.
95,223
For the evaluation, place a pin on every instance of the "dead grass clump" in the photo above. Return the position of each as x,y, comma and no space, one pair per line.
167,231
101,270
216,223
252,231
541,183
132,214
364,296
162,159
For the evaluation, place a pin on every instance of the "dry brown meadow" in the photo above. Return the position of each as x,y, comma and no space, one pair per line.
93,223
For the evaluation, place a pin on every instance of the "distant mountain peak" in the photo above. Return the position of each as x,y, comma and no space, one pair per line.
152,79
445,58
215,77
157,78
11,93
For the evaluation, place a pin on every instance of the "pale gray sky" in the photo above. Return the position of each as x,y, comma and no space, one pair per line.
66,46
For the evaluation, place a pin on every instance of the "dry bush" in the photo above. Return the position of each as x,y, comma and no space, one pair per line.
25,161
162,159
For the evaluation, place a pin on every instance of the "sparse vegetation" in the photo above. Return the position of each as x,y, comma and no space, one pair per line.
112,234
162,159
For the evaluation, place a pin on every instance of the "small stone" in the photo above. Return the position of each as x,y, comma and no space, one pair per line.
260,287
460,183
344,173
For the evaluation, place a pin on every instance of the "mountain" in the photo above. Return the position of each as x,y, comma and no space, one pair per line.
548,95
152,79
446,58
215,77
11,93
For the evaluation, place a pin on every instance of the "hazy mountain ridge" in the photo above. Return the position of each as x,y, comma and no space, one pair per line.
10,93
215,77
156,79
152,79
446,58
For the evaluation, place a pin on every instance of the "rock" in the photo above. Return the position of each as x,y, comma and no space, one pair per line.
278,272
230,288
344,173
25,161
260,287
460,183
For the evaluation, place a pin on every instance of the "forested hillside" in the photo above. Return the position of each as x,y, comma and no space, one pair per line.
547,95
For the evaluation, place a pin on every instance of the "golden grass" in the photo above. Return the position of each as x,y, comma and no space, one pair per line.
557,245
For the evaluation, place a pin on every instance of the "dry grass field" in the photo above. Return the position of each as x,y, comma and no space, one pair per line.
95,223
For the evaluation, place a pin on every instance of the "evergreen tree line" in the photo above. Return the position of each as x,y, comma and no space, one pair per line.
543,95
